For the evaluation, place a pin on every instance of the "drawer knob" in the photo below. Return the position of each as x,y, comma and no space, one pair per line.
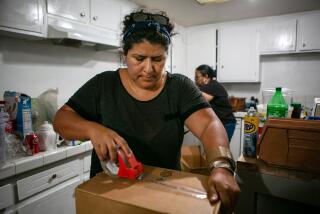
53,176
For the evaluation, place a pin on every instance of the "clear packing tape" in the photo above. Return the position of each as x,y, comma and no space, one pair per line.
179,188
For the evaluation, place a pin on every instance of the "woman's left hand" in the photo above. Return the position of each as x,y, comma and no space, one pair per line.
223,186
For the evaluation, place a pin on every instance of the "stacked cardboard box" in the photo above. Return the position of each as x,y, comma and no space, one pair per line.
193,161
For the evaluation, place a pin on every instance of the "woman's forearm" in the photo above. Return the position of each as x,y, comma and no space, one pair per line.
71,125
205,125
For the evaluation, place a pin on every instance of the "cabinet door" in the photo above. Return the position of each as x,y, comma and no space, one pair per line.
168,65
22,15
77,10
106,14
235,144
238,58
201,48
6,196
278,37
60,199
178,53
309,32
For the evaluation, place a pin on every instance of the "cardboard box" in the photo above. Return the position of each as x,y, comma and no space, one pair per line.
291,143
160,191
193,161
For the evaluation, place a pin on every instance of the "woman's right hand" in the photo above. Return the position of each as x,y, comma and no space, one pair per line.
104,141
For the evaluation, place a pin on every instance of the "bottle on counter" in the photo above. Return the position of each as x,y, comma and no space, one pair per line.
296,112
47,137
251,124
277,106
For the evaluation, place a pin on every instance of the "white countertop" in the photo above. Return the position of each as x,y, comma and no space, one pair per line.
23,164
240,114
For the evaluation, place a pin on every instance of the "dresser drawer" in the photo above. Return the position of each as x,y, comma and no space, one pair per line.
6,196
46,179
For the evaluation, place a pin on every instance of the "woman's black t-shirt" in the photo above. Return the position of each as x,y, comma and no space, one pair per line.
153,129
220,103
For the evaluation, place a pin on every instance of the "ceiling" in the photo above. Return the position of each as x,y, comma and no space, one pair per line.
189,12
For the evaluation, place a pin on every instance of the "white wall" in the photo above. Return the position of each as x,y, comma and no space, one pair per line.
33,67
300,72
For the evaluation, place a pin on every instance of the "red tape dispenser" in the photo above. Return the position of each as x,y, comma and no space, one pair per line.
128,166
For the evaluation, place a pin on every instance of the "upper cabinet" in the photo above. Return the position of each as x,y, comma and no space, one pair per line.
106,14
178,52
278,37
25,16
93,21
238,56
309,32
300,33
201,48
101,13
70,9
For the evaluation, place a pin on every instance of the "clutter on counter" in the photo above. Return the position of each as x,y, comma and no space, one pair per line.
22,163
25,124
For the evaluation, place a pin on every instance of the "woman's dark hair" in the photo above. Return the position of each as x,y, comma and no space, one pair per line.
151,35
207,70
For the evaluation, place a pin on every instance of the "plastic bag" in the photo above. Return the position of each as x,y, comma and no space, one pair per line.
44,107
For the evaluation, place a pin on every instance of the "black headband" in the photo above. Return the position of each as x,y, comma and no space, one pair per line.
149,24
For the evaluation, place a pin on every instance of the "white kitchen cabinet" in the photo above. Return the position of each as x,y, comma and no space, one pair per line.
22,16
235,143
38,182
101,13
201,48
49,188
178,52
238,56
100,19
278,37
168,65
78,10
6,196
106,14
60,199
309,32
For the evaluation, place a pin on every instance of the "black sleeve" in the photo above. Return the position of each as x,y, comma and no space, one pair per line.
213,89
85,100
190,98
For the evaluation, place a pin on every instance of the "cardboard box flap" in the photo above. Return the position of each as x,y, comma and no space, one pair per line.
193,161
146,196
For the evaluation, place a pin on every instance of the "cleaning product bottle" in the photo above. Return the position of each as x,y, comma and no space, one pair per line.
251,124
277,106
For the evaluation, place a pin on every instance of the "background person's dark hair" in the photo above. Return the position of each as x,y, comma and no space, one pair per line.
150,35
207,70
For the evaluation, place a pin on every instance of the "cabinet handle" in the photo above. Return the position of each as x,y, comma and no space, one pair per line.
95,18
304,45
54,176
222,66
82,14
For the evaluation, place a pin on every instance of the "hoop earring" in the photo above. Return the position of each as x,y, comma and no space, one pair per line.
123,61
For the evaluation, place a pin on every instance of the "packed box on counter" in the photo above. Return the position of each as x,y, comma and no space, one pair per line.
159,191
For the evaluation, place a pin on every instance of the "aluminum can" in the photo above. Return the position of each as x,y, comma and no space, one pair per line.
31,144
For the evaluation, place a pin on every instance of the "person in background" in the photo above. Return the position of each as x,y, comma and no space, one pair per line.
143,109
216,95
